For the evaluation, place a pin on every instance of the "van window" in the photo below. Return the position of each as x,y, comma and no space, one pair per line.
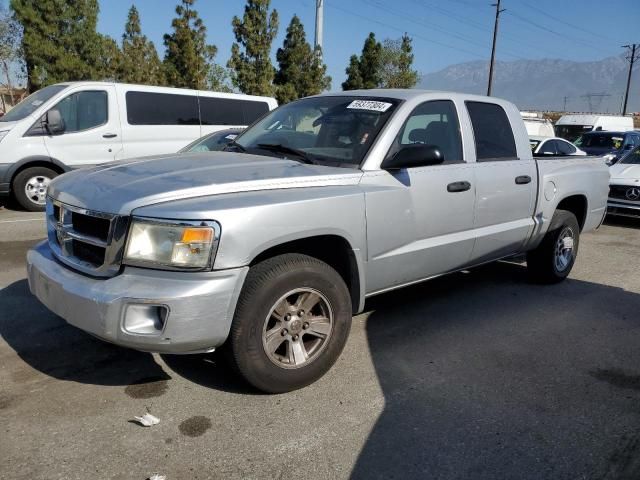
150,108
30,104
229,111
83,110
492,132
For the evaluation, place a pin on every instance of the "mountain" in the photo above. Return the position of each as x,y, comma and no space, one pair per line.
543,84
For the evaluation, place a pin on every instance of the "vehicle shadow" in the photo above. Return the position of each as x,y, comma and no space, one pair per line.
48,344
485,375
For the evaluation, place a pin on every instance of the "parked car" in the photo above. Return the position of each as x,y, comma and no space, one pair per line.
323,203
610,145
554,146
571,126
212,142
71,125
624,193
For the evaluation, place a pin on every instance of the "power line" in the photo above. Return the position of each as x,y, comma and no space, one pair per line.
403,30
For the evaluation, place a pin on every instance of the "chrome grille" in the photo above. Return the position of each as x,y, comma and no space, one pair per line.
89,241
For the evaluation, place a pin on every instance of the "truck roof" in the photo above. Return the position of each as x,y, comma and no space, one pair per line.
412,93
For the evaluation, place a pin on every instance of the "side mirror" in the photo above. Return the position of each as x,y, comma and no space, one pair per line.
53,122
416,155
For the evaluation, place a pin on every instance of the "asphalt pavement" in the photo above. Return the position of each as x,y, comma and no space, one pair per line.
477,375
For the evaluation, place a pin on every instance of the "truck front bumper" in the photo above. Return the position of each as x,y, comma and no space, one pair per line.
148,310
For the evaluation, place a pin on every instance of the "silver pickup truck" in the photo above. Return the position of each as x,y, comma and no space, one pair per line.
268,249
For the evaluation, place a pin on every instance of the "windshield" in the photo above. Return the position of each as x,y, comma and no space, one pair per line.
31,103
633,157
600,140
335,131
212,142
571,132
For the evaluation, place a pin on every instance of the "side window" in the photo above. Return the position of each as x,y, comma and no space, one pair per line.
84,110
565,148
549,148
433,123
252,111
221,111
149,108
492,132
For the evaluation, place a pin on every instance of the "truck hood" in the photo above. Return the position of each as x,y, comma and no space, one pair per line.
626,173
120,187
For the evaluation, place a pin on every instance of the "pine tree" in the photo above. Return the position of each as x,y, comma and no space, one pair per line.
10,53
250,62
354,80
396,66
60,42
364,72
140,62
301,72
188,58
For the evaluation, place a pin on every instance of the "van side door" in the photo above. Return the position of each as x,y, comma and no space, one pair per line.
420,219
506,183
92,133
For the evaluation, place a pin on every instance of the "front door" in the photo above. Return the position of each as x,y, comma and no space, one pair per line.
92,131
420,220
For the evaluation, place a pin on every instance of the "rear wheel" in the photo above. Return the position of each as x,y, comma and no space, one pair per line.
30,187
553,259
291,323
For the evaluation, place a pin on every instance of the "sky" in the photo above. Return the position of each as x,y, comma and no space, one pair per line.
444,32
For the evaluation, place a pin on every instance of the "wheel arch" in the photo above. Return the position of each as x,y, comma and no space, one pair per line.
576,204
35,161
332,249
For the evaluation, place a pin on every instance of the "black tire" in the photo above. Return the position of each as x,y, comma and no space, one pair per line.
541,262
20,182
267,283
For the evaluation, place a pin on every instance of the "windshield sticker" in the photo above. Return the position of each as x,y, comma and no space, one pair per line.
231,136
370,105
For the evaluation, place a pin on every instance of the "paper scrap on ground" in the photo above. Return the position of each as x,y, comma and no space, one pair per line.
157,476
147,420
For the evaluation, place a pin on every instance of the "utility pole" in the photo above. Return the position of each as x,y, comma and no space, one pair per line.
632,58
493,47
564,104
319,19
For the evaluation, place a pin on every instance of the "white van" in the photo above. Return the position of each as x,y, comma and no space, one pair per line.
570,127
71,125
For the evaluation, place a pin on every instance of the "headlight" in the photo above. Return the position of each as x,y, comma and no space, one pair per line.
171,244
3,134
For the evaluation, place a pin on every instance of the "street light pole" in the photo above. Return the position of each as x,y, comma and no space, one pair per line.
493,47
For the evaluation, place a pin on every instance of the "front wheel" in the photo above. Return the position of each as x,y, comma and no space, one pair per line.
291,323
553,259
30,187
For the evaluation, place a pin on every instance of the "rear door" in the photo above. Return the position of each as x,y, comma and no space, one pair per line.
505,184
420,223
92,132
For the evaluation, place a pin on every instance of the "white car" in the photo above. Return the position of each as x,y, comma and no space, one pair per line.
70,125
624,186
553,146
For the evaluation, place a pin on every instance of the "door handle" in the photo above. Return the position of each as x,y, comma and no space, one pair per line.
109,135
458,186
523,179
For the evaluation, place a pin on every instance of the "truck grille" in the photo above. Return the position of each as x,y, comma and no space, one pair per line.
89,241
629,193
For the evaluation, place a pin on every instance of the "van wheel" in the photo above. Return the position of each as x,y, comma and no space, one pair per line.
30,187
553,259
291,323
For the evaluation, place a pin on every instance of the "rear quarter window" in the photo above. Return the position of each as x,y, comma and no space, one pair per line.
492,132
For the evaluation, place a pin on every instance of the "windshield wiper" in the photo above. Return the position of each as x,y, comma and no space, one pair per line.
236,145
279,148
